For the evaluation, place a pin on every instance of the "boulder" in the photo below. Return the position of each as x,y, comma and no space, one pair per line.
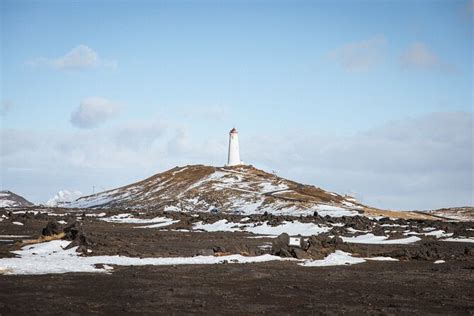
284,247
321,245
75,233
52,228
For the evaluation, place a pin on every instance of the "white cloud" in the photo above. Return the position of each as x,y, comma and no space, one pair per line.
94,111
418,56
361,55
79,58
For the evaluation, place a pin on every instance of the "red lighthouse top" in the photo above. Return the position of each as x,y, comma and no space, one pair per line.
233,130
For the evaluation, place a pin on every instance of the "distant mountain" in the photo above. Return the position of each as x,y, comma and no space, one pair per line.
239,189
10,199
63,197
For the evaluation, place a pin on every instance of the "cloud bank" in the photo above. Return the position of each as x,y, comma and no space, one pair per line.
415,163
80,57
94,111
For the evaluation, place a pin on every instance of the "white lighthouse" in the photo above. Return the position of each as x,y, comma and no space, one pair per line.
234,155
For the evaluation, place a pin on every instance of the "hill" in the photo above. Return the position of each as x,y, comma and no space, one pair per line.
240,189
10,199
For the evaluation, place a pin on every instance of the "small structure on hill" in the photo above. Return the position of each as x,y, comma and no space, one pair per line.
233,158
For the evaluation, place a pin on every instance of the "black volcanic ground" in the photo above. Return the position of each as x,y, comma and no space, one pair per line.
414,284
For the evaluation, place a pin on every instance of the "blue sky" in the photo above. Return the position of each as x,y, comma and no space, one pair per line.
104,93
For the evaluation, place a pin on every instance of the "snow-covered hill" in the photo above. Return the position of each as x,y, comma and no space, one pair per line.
240,189
63,197
10,199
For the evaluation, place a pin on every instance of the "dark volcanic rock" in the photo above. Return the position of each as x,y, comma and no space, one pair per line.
280,246
73,230
52,228
321,245
205,252
75,233
358,222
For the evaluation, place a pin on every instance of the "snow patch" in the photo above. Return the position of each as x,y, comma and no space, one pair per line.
333,211
220,226
96,215
435,233
291,228
337,258
459,239
381,259
127,218
165,222
171,208
14,236
372,239
8,203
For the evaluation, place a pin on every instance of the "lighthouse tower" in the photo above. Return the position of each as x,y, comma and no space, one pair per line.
234,155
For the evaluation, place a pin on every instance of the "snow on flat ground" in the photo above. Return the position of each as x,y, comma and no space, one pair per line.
459,239
434,233
165,222
51,257
96,215
127,218
219,226
291,228
335,259
339,258
381,259
372,239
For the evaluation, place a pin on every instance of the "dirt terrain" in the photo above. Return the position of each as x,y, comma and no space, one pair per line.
414,284
272,288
